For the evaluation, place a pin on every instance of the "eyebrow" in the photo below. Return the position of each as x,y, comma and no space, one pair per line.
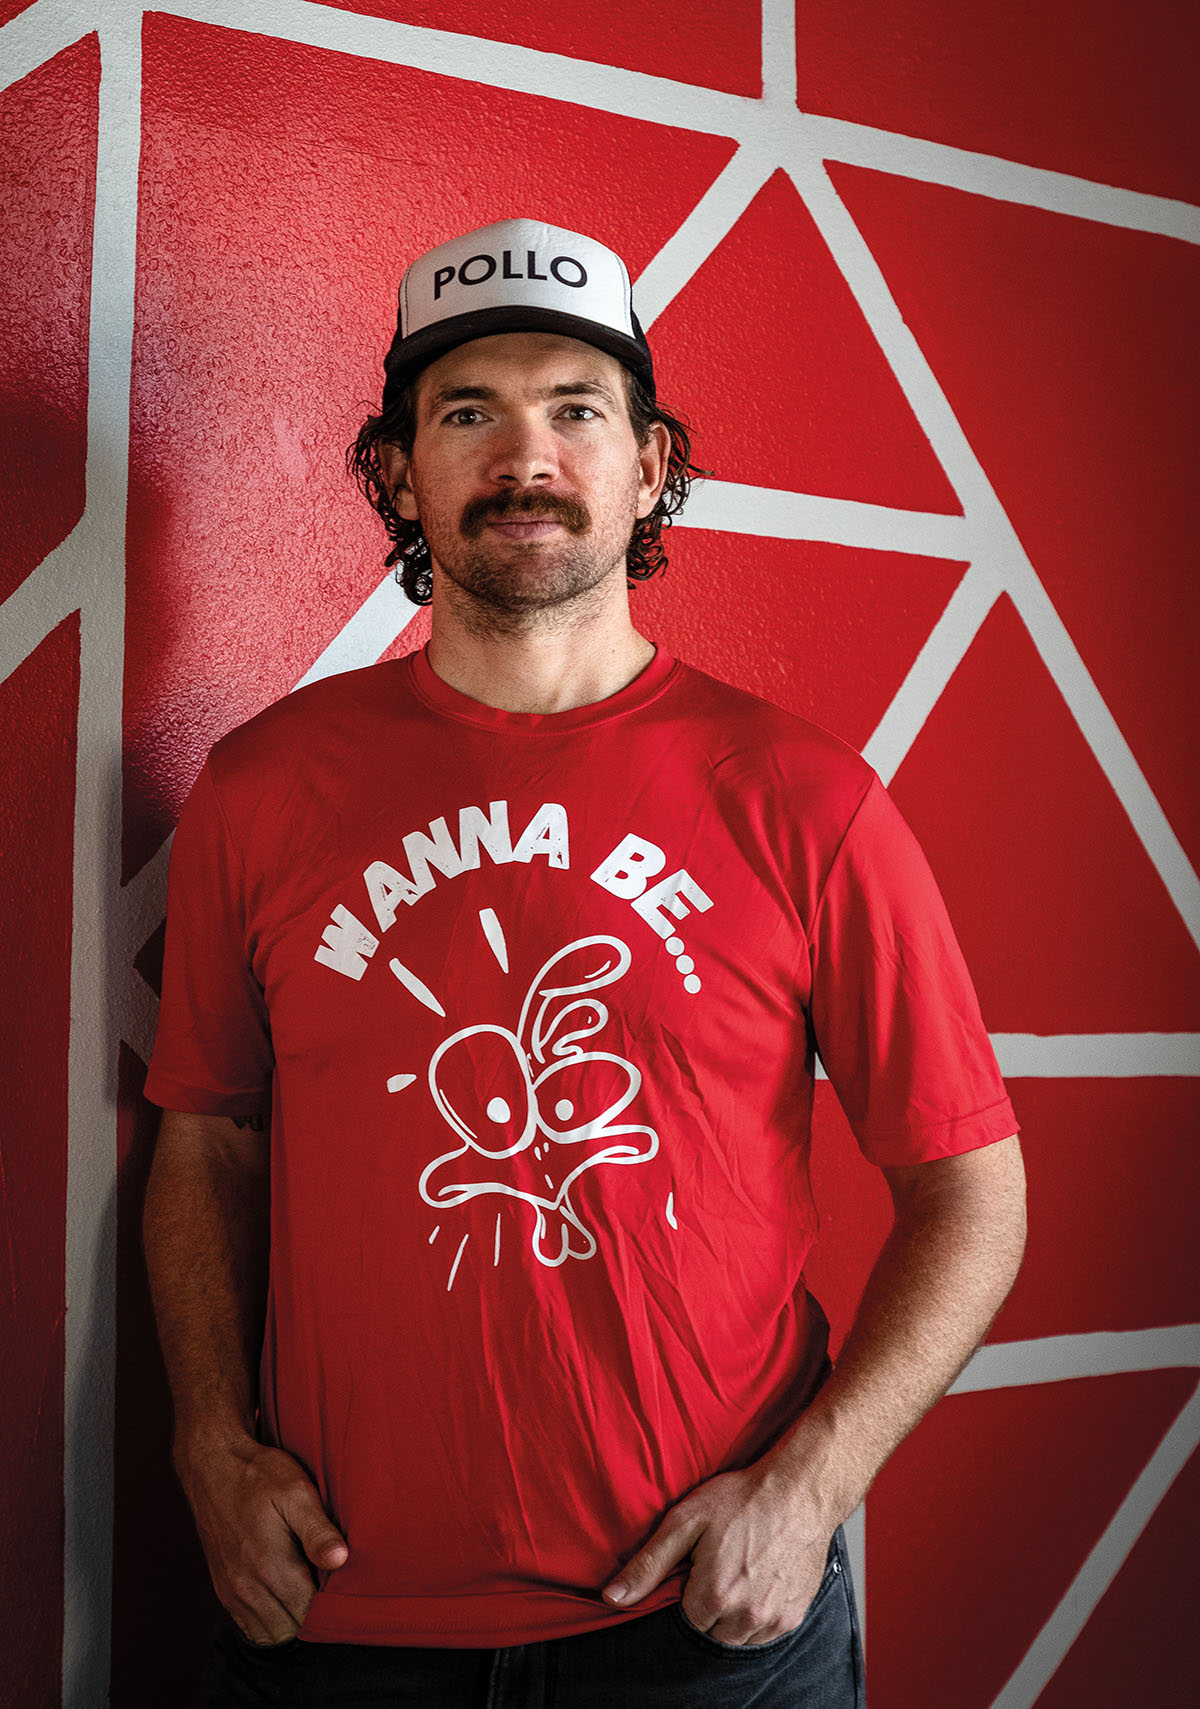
487,394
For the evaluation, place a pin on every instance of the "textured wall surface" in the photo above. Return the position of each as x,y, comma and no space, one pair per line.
923,278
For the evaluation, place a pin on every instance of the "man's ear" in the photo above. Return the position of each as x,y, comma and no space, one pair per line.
654,459
394,463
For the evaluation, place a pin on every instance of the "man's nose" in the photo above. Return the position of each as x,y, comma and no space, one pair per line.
524,454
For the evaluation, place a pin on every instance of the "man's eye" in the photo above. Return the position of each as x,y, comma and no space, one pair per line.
581,412
465,416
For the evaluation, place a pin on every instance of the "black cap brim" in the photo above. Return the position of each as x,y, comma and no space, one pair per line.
408,356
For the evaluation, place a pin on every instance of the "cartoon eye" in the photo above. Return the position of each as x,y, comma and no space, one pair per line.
480,1083
580,1096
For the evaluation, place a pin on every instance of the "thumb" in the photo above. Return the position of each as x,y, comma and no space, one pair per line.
669,1545
320,1539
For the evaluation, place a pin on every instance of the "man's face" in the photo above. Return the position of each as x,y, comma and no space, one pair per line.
525,472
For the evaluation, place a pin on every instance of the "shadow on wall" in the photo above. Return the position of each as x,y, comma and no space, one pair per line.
163,1606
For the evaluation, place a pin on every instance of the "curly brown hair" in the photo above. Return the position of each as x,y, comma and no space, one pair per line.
397,425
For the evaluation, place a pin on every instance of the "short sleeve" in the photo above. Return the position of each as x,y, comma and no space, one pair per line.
212,1053
893,1009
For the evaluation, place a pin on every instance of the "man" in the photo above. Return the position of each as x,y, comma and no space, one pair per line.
495,981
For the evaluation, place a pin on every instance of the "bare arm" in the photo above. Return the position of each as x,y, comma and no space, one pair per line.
758,1538
206,1232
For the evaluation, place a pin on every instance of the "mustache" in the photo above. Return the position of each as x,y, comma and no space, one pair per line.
511,507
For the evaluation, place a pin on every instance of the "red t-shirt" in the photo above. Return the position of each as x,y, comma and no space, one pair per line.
534,1001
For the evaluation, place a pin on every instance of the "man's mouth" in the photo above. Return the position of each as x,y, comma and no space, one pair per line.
525,528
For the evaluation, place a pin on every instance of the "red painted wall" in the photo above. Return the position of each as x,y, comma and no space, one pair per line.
924,335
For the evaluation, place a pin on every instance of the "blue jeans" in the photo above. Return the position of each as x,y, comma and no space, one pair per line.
659,1661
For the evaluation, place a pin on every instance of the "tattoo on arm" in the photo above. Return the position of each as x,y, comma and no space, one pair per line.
256,1124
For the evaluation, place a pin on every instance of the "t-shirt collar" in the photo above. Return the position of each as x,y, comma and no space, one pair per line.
441,698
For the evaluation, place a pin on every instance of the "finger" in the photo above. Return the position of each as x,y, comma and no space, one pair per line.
316,1533
670,1544
263,1618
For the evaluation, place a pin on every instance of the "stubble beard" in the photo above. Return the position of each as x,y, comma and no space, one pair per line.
511,586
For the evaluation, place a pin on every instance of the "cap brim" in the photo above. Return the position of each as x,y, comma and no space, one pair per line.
408,356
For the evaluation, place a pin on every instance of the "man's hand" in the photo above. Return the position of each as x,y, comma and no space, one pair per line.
758,1554
759,1538
261,1524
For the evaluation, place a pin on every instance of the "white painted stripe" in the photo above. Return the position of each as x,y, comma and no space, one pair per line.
1091,1056
382,616
138,1013
998,179
48,26
934,665
143,901
1066,1358
1104,737
37,34
779,54
1096,1056
858,266
733,508
1017,576
704,229
1104,1562
662,100
38,605
498,64
91,1174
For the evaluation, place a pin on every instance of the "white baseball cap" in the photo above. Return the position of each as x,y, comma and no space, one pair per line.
515,276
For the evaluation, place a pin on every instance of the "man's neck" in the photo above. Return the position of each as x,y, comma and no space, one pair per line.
547,667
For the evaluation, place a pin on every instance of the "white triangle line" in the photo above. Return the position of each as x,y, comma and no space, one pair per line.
39,33
1067,1358
997,178
38,604
864,276
986,515
89,1233
1104,1562
636,94
137,1008
47,27
732,507
704,230
937,661
1104,737
478,59
383,615
779,54
1096,1056
142,903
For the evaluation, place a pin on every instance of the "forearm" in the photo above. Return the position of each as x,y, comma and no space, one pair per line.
939,1281
259,1517
206,1232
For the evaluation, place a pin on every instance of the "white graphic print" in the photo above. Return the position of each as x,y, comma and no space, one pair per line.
538,1093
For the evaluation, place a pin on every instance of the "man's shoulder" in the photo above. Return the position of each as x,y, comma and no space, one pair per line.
314,718
748,731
